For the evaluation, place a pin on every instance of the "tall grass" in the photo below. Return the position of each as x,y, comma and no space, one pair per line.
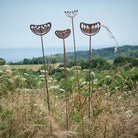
114,108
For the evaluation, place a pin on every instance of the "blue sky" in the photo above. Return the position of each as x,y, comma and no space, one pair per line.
120,16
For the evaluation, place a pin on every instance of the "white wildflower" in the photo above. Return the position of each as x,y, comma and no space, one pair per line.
9,71
129,113
107,76
43,71
92,74
6,66
26,90
95,81
26,74
10,80
0,71
15,77
72,78
56,96
23,79
85,70
42,76
116,88
83,83
35,104
49,81
54,87
120,97
40,82
62,90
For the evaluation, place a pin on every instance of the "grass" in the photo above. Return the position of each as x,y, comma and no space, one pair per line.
28,67
114,105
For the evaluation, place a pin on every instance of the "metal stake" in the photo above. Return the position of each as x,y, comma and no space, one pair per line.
42,30
72,14
90,30
62,35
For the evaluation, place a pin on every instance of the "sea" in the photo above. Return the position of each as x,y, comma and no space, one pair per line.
18,54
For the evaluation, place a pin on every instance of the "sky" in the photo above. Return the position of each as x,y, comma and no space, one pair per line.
120,16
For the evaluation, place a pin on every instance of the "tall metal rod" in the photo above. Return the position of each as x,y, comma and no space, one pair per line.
46,84
66,86
45,75
90,77
75,56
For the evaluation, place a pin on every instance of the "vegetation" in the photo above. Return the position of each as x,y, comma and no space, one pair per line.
2,61
107,53
23,107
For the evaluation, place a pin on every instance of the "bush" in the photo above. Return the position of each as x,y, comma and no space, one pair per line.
2,61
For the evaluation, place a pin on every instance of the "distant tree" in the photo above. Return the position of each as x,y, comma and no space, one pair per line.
134,54
121,60
2,61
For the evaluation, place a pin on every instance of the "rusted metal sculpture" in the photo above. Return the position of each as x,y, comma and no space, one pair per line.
42,30
72,14
90,30
62,35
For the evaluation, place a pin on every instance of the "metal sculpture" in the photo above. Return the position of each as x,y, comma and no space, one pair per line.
90,30
42,30
72,14
62,35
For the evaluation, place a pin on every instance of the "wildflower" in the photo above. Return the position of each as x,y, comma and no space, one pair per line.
9,71
15,77
6,66
35,104
72,78
54,87
129,113
62,90
26,74
40,82
116,88
23,79
83,83
26,90
43,71
107,76
49,81
41,76
10,80
120,97
0,71
95,81
92,74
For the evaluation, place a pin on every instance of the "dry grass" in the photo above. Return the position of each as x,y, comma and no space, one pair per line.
24,114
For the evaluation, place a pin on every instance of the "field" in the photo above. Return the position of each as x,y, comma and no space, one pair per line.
24,104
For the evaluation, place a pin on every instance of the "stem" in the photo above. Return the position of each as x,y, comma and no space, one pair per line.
89,76
75,57
46,83
66,87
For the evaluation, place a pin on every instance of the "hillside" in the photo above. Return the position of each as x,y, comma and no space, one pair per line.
107,53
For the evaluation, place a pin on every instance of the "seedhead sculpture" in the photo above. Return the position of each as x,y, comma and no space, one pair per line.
72,14
90,30
42,30
62,35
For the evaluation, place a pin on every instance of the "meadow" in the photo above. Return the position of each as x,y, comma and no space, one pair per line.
114,101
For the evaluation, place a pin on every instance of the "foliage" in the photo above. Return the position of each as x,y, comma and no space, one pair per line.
2,61
122,60
24,113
